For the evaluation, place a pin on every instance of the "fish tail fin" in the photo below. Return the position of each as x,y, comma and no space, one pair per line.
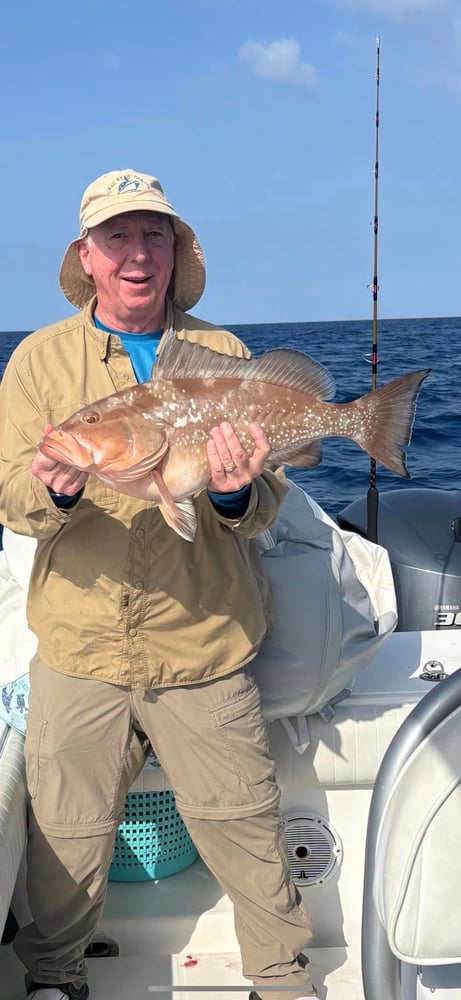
388,424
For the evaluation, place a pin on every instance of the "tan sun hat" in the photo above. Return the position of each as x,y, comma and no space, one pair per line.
127,191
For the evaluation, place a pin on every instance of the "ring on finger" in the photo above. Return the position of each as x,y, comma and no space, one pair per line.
229,468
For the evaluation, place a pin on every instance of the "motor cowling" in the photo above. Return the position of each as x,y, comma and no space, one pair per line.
421,530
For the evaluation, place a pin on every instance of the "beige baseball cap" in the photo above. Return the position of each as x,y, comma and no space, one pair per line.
128,191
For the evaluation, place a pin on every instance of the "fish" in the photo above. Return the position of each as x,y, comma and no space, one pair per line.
149,440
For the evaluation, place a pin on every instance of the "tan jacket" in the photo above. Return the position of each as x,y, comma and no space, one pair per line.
115,594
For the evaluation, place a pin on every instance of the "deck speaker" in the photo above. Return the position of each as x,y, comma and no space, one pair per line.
314,848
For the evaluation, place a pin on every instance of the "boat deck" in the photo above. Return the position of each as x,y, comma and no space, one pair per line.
212,977
176,941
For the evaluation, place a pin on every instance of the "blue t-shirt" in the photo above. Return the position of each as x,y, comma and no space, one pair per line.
142,348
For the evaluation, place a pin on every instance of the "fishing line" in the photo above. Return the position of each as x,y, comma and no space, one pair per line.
372,495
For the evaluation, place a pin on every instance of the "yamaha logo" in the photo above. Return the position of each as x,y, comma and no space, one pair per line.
447,616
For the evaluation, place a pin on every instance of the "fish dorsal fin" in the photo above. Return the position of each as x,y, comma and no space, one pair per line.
283,366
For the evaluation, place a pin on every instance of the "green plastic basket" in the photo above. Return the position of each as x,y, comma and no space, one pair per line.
151,841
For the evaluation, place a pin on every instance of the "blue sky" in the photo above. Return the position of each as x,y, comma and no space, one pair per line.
258,118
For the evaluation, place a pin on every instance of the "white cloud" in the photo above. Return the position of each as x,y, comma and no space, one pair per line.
279,61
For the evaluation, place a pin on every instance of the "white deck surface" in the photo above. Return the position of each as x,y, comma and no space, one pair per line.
165,977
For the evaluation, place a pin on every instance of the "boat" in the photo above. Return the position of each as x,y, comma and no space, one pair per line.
371,804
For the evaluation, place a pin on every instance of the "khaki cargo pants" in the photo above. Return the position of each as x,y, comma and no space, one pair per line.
82,755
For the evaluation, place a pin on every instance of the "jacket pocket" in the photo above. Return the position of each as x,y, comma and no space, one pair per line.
100,495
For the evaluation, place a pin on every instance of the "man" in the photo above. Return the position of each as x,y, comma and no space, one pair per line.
140,632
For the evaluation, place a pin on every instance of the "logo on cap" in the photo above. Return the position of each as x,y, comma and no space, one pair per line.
128,184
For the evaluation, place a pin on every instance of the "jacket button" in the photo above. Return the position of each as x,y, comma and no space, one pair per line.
133,631
139,584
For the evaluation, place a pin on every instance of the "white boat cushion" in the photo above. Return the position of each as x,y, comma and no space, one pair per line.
417,870
19,554
12,815
18,643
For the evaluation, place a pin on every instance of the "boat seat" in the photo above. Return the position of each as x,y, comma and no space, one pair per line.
417,861
12,814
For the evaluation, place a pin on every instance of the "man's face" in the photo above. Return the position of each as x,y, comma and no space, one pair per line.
130,258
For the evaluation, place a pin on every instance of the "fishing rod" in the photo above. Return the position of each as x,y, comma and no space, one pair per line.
372,495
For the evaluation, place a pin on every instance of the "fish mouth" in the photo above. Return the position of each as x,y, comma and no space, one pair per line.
66,449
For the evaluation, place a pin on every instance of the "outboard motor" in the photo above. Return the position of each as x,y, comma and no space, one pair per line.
421,530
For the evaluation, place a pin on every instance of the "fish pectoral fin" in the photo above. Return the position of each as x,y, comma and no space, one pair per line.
182,518
304,456
178,514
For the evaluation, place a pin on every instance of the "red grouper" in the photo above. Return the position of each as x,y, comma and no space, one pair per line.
149,440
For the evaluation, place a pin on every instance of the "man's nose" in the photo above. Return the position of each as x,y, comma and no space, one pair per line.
139,248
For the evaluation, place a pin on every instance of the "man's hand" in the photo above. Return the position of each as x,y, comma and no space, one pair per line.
231,466
55,475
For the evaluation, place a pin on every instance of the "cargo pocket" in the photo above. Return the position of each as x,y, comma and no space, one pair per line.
223,767
242,729
35,733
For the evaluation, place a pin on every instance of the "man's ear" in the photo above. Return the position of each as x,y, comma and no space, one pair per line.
83,251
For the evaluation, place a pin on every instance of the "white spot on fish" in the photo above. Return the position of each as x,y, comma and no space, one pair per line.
187,419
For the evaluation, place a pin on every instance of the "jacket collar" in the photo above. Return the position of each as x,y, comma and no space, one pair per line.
108,341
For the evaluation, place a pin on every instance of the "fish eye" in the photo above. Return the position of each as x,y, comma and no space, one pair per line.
91,418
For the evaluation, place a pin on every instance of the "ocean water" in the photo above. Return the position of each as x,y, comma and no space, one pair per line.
404,345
